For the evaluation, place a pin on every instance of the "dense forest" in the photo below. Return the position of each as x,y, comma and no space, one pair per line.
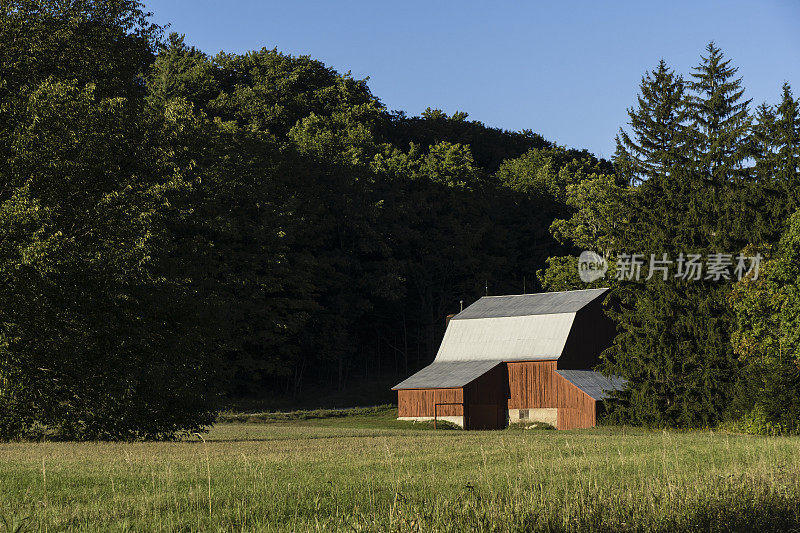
177,229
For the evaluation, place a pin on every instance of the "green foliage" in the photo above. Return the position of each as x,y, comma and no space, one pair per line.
173,225
766,339
180,71
691,191
658,142
490,146
600,213
775,147
105,42
674,341
102,333
92,327
720,119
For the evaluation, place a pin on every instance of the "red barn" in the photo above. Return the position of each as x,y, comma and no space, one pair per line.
517,358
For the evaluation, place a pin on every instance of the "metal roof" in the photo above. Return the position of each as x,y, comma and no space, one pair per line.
447,374
542,303
593,383
510,338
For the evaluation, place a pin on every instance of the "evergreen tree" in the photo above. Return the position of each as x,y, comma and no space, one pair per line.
673,346
658,139
785,137
775,150
721,125
654,156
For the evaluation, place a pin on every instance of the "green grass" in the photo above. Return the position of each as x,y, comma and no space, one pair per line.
368,472
379,416
382,414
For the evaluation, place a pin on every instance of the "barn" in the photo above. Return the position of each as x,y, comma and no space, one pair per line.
517,358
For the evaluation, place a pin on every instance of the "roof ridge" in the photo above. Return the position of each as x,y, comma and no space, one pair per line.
538,293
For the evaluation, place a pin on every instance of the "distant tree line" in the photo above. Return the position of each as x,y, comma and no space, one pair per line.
176,228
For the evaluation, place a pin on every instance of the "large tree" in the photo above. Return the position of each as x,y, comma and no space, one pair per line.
684,155
775,149
103,333
766,339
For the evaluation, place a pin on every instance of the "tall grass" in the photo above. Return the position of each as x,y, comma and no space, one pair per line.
363,474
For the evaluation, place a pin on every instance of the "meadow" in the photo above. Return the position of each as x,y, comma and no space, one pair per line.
364,471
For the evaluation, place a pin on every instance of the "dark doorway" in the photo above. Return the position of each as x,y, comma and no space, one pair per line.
486,400
485,416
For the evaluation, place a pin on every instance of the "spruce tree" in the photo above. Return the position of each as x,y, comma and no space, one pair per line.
654,156
762,144
657,140
787,144
721,125
674,342
775,150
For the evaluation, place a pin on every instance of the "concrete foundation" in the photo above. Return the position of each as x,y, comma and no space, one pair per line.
548,415
457,420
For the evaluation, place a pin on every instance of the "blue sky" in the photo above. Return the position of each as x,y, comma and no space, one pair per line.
566,70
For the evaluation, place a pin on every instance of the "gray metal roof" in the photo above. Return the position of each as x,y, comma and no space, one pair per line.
447,374
543,303
593,383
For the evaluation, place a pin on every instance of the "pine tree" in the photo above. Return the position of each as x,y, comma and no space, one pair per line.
674,344
654,156
721,119
762,144
721,124
657,140
787,143
775,149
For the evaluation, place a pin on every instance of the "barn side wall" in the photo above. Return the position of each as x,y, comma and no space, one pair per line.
532,385
591,333
532,388
418,403
576,409
486,400
490,388
542,395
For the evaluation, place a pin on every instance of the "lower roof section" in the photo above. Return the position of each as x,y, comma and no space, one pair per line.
595,384
447,374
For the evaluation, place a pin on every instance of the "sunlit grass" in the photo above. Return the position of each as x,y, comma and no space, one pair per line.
369,473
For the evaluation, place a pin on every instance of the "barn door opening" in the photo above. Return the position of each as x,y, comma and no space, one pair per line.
485,416
486,400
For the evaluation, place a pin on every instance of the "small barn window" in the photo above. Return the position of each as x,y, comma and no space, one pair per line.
523,414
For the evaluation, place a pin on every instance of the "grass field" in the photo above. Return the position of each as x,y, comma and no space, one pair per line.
367,472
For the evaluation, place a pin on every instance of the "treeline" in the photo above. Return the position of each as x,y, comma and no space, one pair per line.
699,172
176,228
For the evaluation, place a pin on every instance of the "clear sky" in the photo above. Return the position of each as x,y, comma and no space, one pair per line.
564,69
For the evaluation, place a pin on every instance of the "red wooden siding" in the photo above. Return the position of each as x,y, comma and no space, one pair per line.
535,384
420,402
532,384
490,388
576,409
529,385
